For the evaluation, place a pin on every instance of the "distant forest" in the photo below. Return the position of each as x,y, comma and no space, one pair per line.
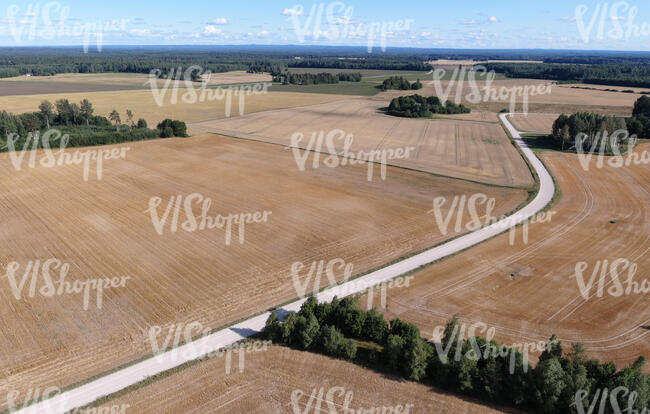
619,74
606,68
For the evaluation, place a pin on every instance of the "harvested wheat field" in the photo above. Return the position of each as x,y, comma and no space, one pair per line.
479,151
130,79
238,76
105,229
144,104
482,116
530,291
72,82
558,100
540,123
269,379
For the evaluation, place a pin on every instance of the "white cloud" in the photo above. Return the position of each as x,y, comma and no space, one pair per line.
293,12
195,35
617,18
466,21
212,30
219,20
140,32
263,33
493,19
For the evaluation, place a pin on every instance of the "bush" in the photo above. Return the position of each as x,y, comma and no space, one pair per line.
417,106
375,327
349,77
350,350
396,82
306,331
178,128
392,351
141,123
332,341
167,132
102,121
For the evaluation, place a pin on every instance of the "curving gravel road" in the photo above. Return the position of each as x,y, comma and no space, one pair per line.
116,381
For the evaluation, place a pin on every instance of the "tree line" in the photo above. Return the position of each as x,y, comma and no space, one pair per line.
382,63
616,74
288,78
591,132
80,123
341,329
417,106
38,61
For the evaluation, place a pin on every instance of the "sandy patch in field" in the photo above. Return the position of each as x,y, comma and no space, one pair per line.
144,105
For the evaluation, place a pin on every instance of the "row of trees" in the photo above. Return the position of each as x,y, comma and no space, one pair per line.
596,133
618,74
417,106
587,131
287,78
410,63
349,76
467,365
83,127
399,82
61,113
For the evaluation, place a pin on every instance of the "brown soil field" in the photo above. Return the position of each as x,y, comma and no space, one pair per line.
560,99
143,104
20,88
542,123
269,378
102,229
478,151
529,291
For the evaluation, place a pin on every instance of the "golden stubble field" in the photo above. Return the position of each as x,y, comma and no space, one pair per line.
467,149
144,104
102,229
270,378
136,80
561,99
536,123
529,291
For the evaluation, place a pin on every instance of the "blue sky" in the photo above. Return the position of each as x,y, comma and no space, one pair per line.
551,24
